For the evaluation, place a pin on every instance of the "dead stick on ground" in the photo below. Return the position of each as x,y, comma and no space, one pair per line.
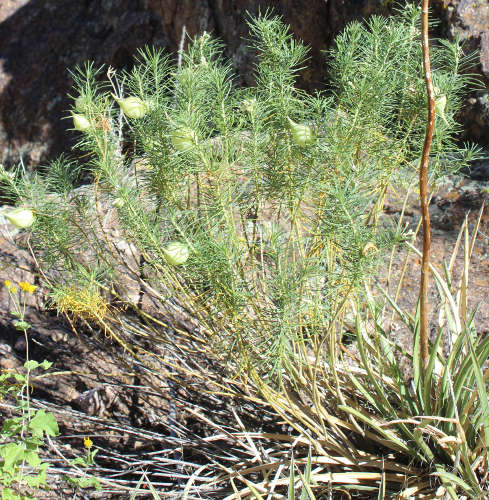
423,189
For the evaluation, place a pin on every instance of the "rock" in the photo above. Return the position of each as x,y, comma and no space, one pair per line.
484,57
469,20
8,359
457,199
95,401
480,170
20,344
41,40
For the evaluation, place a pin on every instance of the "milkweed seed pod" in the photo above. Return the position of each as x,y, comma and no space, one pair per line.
176,253
80,122
21,218
302,135
248,105
184,138
118,203
440,105
132,107
81,103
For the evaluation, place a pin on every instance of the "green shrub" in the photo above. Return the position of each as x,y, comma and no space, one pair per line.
256,213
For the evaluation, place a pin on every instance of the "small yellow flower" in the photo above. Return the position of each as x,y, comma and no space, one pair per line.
87,442
7,283
12,290
27,287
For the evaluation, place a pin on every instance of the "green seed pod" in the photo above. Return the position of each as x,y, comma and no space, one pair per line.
21,218
184,138
81,103
80,122
302,135
176,253
440,105
118,202
249,105
133,107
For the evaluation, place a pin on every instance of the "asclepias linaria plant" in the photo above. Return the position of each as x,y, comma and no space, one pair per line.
257,213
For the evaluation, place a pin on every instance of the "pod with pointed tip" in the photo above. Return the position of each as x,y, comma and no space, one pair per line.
184,138
118,203
302,134
132,107
248,105
81,103
440,105
21,218
80,122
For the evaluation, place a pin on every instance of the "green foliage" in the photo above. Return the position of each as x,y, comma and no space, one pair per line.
441,417
278,197
22,438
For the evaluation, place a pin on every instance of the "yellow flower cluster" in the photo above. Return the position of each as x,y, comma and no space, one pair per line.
84,303
27,287
87,442
24,285
11,288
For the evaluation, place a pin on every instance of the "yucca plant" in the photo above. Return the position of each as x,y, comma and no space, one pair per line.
251,221
391,435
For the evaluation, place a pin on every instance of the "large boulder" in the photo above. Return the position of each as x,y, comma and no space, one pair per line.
469,20
41,39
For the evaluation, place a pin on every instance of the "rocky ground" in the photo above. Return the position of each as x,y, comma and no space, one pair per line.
97,392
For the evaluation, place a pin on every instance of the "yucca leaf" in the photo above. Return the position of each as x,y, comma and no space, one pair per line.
381,494
453,479
306,492
291,494
137,488
391,437
428,391
465,376
405,316
256,493
383,405
417,368
481,387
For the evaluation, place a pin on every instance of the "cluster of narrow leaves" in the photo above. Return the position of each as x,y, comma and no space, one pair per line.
257,214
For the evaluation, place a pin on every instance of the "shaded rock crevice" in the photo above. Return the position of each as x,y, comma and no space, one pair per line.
39,42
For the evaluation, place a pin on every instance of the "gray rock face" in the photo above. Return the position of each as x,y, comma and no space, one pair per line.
39,40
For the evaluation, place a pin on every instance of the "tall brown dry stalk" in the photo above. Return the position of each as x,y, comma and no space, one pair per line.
423,188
